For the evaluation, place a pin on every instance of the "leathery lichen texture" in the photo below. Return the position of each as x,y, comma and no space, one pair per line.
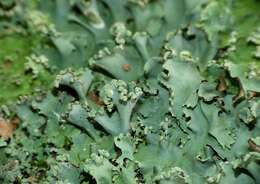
130,92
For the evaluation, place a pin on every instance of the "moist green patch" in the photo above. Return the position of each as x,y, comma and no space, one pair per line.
15,81
246,17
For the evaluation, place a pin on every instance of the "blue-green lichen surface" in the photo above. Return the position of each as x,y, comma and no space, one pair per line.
130,91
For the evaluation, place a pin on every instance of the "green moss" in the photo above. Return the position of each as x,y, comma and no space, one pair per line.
246,20
14,80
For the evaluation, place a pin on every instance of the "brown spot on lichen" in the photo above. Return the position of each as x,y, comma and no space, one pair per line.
222,86
241,93
126,67
95,98
7,127
253,94
32,179
253,146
